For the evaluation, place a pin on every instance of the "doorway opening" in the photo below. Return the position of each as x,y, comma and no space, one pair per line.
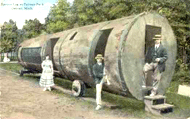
98,46
48,49
150,32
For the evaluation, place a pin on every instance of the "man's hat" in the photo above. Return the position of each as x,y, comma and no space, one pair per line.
158,36
99,56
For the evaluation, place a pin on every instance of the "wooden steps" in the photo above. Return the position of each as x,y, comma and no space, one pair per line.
157,104
162,106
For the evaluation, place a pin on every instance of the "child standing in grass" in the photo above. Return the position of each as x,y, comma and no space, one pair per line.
99,75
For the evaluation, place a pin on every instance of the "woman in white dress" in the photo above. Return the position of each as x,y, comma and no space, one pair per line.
46,79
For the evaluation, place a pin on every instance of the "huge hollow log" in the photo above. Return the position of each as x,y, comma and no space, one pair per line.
123,42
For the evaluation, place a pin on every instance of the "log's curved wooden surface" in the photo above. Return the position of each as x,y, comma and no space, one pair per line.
131,56
122,43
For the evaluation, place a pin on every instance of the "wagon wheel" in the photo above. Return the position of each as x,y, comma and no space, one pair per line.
78,88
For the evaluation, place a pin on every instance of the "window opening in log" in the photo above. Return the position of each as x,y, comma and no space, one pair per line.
150,32
72,37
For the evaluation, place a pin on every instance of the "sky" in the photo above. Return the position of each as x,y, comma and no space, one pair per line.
21,10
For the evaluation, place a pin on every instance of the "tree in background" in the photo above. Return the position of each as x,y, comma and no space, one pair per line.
58,18
32,28
11,36
87,12
63,16
178,14
80,12
8,36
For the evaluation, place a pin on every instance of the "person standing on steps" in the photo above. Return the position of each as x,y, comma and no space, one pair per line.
46,79
99,75
155,61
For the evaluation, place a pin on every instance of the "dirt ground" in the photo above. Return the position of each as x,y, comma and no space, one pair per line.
24,99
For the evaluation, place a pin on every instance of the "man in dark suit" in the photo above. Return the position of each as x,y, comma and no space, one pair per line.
155,61
99,74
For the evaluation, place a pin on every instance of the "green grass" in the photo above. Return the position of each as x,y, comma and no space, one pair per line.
11,67
67,84
181,103
126,106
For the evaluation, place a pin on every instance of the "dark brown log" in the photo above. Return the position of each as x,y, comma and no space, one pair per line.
123,43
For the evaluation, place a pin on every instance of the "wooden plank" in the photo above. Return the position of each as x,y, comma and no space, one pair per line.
162,106
154,97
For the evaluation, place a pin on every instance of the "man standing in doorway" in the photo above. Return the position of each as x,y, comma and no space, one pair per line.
155,61
99,75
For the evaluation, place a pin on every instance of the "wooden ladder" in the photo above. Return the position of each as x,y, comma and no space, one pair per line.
157,104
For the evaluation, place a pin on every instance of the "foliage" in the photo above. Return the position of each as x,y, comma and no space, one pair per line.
182,73
5,45
182,76
32,28
79,11
9,36
88,12
58,18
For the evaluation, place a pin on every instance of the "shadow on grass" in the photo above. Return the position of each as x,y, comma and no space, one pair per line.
136,107
131,105
181,103
124,103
